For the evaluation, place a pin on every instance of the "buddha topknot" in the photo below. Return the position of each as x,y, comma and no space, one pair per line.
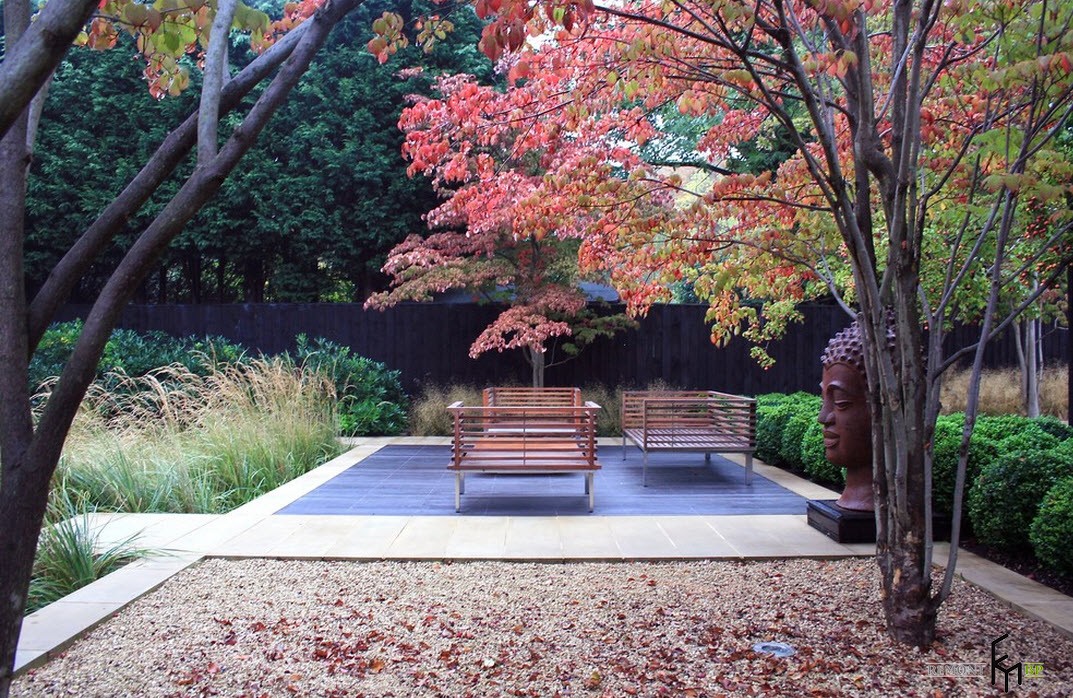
847,347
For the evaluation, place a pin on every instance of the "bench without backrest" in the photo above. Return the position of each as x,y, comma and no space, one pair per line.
539,439
689,420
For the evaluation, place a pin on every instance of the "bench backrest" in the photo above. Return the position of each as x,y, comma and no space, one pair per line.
690,409
532,397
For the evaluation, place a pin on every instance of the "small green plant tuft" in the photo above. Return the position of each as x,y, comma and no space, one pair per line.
68,555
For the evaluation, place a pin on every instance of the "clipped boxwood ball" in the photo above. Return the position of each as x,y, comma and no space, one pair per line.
1007,494
1052,529
814,458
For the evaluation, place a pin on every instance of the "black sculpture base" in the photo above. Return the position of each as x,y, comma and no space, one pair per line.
842,525
848,526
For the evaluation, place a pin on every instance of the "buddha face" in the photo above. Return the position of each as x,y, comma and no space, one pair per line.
844,414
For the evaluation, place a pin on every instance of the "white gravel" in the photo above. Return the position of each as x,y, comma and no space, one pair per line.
283,628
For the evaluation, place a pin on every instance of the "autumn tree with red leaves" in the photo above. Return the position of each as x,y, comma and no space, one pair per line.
920,130
499,237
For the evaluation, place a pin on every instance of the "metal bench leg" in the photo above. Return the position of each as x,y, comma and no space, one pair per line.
623,447
462,483
458,492
588,482
748,468
589,486
644,470
707,456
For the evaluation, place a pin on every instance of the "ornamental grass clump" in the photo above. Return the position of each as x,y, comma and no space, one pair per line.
69,555
428,411
174,441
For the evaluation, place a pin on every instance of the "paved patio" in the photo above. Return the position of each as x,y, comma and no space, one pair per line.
297,521
411,480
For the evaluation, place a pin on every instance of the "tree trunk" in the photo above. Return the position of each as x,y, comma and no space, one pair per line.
536,362
20,515
902,510
28,64
905,591
1032,367
221,280
23,498
1069,342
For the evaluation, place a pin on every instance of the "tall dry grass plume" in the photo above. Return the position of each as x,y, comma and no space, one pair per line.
428,411
177,441
1000,391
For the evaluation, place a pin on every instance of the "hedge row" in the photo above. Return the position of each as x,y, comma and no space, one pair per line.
1019,476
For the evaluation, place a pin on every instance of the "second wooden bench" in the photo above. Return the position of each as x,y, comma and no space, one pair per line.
689,420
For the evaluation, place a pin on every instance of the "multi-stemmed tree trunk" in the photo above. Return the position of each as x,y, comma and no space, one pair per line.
30,447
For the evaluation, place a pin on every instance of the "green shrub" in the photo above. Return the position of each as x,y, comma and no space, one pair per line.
792,435
1052,529
998,427
371,400
130,353
1007,494
805,409
1064,450
814,458
1030,437
947,446
771,399
53,351
1055,427
769,426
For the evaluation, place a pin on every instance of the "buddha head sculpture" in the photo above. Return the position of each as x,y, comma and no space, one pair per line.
846,417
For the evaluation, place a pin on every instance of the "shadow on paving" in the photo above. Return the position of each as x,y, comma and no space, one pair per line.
414,481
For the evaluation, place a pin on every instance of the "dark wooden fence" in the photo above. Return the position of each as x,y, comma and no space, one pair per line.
430,343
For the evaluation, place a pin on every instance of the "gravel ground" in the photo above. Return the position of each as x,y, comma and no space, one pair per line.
282,628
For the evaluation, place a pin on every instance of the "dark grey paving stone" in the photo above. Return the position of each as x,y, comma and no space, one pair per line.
414,481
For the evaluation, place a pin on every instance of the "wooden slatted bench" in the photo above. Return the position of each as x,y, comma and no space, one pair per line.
689,420
553,433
